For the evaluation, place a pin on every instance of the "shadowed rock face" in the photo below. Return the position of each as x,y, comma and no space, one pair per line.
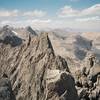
63,87
27,66
8,37
82,45
29,29
6,92
12,40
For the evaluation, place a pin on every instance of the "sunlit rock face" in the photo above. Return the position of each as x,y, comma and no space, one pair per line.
35,67
26,66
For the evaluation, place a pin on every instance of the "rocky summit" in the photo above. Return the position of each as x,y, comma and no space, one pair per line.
30,69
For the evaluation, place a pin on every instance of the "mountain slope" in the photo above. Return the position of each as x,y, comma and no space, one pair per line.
73,45
36,72
27,66
95,37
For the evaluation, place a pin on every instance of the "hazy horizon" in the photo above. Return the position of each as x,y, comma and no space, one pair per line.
40,14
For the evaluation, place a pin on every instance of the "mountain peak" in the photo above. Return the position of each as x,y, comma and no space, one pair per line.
45,42
29,29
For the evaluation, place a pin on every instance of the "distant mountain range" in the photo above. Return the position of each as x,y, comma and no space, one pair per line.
70,43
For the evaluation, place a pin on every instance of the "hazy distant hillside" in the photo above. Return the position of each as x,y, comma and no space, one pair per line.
73,45
95,37
91,35
61,31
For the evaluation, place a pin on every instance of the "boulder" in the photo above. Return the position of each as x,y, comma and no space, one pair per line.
63,85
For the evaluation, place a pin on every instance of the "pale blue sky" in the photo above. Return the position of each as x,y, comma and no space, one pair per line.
48,5
79,14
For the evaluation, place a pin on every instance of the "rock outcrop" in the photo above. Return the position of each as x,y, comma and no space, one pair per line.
87,80
27,67
6,92
30,70
61,86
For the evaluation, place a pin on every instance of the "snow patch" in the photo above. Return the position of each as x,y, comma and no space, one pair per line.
15,32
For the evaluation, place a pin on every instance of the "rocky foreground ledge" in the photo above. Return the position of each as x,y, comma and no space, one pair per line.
29,70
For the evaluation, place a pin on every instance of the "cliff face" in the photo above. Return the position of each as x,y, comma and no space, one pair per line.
27,65
30,70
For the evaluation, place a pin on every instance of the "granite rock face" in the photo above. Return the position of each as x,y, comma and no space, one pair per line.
62,87
27,65
87,80
30,70
6,92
